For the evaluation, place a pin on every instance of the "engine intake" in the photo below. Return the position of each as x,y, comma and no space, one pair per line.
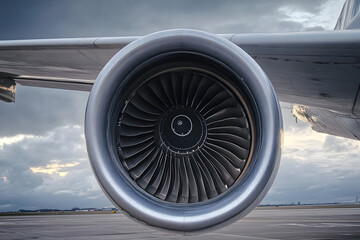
183,131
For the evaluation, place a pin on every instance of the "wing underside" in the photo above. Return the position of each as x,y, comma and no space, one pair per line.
313,69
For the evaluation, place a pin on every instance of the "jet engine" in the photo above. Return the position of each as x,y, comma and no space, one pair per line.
183,131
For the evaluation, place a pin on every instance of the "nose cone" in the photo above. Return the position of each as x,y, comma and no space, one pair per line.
181,125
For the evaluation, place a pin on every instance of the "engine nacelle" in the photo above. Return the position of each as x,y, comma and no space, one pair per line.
184,131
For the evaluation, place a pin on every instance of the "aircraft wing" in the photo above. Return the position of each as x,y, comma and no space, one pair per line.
58,63
311,69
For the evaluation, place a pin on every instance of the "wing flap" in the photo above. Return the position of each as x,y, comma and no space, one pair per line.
329,122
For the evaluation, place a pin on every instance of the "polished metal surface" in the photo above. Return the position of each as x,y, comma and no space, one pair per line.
261,100
349,17
329,122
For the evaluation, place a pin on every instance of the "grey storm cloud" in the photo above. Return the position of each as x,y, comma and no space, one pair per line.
50,121
315,167
48,19
48,170
326,176
38,110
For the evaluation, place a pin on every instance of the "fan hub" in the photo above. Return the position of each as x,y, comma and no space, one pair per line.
181,125
182,130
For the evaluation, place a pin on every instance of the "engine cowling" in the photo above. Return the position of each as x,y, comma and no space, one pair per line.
183,131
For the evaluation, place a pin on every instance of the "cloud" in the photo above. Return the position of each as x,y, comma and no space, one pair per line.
315,186
12,140
38,110
52,166
50,19
316,167
5,206
316,19
3,179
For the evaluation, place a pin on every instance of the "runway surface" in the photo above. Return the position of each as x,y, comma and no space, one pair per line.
328,223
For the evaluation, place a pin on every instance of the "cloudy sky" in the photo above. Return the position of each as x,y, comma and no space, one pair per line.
43,159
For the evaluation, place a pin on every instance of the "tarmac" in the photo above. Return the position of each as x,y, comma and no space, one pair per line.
262,223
